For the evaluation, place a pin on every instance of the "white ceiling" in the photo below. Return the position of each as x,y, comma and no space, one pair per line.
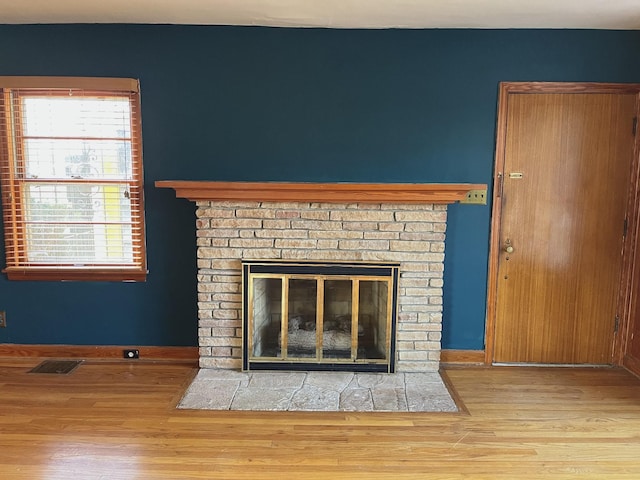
598,14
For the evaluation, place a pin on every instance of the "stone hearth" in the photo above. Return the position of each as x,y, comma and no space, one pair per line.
215,389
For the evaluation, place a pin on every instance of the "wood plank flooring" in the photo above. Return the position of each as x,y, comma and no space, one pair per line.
118,420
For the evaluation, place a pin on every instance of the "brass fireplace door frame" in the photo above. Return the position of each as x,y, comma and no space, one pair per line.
359,273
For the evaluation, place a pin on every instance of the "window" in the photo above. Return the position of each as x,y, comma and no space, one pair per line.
71,178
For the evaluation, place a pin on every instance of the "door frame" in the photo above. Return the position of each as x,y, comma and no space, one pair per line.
627,301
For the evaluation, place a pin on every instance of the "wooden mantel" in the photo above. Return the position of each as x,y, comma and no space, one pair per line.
321,192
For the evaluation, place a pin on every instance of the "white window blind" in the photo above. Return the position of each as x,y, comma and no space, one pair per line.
71,180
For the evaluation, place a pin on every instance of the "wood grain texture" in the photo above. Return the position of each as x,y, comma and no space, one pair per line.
76,274
118,421
558,292
65,83
495,246
629,338
628,298
462,356
632,363
569,87
110,352
321,192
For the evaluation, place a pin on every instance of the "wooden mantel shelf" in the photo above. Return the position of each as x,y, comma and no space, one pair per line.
321,192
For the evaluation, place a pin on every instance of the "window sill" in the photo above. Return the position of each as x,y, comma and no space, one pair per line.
75,274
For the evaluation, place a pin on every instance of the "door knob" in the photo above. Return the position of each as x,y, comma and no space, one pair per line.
507,246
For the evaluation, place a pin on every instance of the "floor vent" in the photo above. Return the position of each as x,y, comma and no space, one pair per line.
56,366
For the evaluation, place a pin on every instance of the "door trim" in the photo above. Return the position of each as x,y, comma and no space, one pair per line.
626,301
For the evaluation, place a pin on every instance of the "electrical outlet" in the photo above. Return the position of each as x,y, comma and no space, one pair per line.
3,319
131,353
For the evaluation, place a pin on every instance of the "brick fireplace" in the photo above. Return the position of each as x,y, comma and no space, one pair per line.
404,223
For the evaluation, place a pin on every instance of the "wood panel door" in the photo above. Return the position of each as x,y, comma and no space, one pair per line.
566,173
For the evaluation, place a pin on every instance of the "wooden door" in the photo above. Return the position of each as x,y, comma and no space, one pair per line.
566,173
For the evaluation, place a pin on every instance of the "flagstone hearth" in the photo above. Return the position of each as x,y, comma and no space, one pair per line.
318,391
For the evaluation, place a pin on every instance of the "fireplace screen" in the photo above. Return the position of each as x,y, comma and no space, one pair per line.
319,316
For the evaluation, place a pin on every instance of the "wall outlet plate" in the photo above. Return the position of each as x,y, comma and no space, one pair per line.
3,318
131,353
475,197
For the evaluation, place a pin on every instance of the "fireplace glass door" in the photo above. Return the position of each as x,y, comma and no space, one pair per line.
319,316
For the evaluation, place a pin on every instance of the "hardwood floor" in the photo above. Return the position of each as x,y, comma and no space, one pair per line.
117,421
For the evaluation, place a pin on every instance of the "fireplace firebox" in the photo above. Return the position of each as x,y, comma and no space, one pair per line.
319,316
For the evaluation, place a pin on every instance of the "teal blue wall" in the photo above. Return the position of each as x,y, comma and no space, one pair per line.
230,103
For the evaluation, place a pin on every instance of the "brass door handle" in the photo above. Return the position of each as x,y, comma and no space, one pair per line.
507,246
